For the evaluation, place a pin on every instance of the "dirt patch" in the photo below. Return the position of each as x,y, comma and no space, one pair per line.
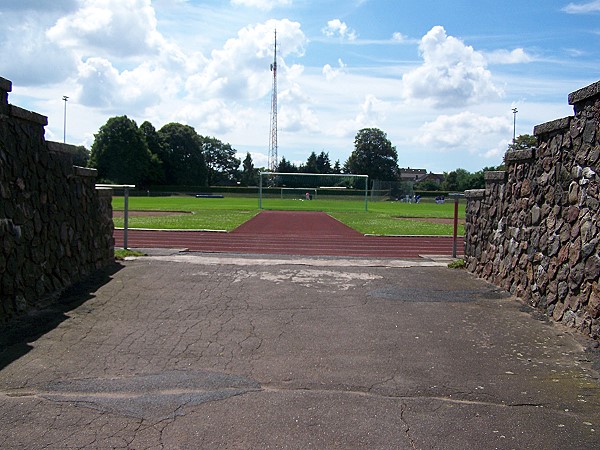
134,213
433,220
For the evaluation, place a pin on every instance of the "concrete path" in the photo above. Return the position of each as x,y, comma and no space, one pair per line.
232,351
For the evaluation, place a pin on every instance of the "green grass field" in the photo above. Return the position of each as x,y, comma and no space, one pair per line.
388,218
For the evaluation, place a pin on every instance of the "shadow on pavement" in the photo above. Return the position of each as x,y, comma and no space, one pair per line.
16,335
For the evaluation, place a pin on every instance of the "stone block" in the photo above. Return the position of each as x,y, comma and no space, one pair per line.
514,156
585,93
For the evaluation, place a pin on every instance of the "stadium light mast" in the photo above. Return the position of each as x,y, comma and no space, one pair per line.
65,98
273,162
515,111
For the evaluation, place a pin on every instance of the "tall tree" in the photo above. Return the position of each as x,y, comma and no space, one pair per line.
286,166
337,168
249,175
222,165
373,155
184,161
323,163
120,152
156,172
311,164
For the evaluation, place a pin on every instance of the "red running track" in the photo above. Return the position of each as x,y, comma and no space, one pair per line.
292,233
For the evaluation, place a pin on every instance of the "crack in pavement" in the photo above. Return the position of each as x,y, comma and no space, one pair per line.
154,396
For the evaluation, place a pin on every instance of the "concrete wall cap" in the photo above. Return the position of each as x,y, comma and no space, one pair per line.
29,116
495,176
584,93
474,194
553,125
85,171
5,85
519,155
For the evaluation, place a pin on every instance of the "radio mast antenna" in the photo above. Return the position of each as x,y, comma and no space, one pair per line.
273,162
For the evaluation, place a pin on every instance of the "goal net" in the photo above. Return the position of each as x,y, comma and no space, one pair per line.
311,191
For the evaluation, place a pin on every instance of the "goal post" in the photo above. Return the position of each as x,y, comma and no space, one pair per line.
280,189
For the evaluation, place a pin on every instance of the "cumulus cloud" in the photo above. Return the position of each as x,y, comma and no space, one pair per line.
36,63
240,69
331,72
370,114
399,37
295,113
464,131
336,27
215,115
265,5
110,27
103,86
582,8
516,56
452,73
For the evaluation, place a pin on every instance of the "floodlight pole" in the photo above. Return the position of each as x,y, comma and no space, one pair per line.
455,233
65,98
515,111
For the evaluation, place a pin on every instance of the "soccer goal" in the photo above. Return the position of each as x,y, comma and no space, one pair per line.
312,191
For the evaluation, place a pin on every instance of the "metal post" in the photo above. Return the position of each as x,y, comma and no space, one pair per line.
65,98
515,111
125,217
366,193
455,234
260,190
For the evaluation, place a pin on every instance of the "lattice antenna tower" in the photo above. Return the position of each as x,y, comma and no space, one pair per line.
273,161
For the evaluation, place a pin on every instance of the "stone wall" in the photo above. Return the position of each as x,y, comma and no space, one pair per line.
55,226
534,229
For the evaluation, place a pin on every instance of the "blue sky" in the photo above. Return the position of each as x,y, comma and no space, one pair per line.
440,78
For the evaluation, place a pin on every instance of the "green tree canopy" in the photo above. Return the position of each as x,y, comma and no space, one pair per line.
156,172
221,162
311,164
249,175
286,166
323,163
120,153
523,141
373,155
183,159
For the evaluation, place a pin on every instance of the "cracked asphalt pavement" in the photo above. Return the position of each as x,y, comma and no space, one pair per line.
228,351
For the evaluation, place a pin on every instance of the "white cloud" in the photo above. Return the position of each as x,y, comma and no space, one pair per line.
295,113
399,37
103,86
452,73
337,27
109,27
517,56
240,69
331,73
465,131
371,113
582,8
214,115
30,59
265,5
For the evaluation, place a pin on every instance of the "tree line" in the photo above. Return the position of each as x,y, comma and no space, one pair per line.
176,154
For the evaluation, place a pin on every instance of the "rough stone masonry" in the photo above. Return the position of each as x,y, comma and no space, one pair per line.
55,226
533,230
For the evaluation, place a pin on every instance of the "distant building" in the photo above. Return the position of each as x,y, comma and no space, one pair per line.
436,178
419,175
412,175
